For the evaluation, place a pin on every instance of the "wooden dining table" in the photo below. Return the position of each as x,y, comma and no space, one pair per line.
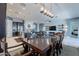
40,45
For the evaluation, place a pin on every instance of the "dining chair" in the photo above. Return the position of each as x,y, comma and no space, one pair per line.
59,44
54,43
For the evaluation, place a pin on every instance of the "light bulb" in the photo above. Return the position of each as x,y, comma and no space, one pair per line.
45,12
17,16
10,9
19,12
23,8
42,9
49,14
52,15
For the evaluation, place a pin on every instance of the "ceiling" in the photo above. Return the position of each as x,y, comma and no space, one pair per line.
31,11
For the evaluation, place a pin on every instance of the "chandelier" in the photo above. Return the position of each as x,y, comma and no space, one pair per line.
45,11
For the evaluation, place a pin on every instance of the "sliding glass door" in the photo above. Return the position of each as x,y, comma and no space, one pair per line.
17,28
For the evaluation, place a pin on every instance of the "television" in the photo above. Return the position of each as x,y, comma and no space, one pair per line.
53,28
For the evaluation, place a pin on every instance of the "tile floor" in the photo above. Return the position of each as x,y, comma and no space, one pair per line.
70,47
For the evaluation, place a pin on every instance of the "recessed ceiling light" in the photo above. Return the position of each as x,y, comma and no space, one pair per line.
10,9
23,8
45,11
48,13
20,12
17,16
11,3
42,9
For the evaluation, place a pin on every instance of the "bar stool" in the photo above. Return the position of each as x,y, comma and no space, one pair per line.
59,44
54,43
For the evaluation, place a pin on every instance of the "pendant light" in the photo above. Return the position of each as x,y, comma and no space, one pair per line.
45,11
42,9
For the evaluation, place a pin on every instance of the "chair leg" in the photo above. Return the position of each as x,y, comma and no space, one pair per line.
59,50
49,51
61,46
53,54
25,48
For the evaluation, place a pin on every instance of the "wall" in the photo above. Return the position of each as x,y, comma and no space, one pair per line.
72,23
56,22
26,25
8,27
36,26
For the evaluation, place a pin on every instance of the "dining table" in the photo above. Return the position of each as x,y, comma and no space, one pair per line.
39,45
